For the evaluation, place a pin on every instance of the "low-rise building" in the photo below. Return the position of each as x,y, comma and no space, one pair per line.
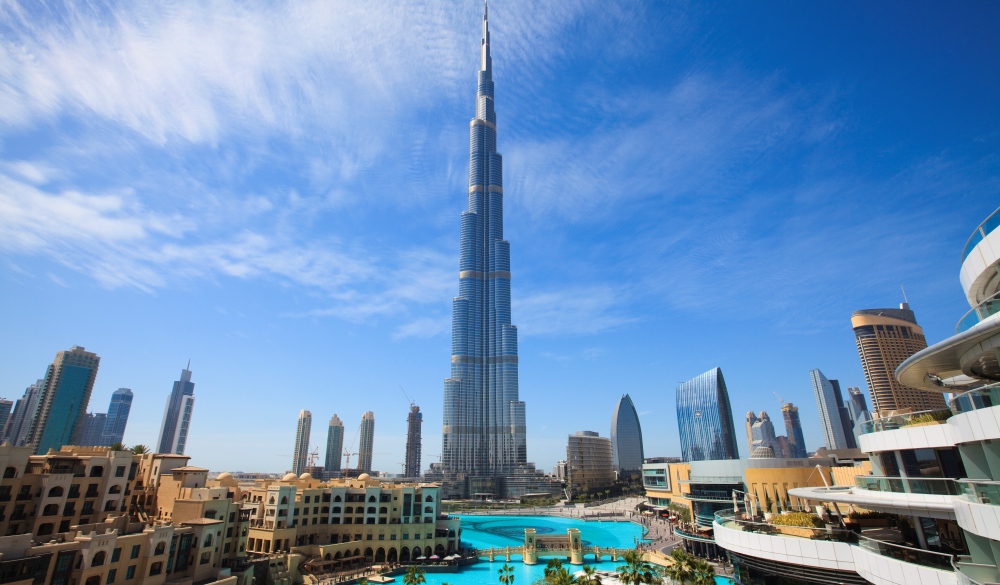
589,462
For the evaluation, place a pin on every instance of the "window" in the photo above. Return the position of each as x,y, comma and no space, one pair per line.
206,558
369,537
226,548
315,509
130,572
116,554
307,499
120,471
97,471
98,559
232,517
371,498
111,576
9,473
381,537
135,552
159,550
55,492
229,532
156,568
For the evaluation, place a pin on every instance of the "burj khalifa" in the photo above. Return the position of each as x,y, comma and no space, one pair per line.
484,421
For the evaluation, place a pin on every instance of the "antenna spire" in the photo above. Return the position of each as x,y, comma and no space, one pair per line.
905,300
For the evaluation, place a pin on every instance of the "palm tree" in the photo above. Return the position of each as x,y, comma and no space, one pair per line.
506,574
116,446
590,576
681,570
552,566
140,449
636,571
703,573
560,576
414,576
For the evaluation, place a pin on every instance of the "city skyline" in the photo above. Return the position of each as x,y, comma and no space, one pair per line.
271,228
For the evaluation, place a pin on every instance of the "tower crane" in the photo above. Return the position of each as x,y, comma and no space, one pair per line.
407,396
780,399
347,451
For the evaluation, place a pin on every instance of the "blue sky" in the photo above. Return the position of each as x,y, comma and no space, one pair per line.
273,191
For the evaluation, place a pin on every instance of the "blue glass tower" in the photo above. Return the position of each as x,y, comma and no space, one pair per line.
705,419
118,411
484,421
62,404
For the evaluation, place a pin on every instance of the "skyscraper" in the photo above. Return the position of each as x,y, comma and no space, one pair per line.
334,444
626,439
92,430
300,457
23,415
5,408
118,411
793,430
705,419
177,415
367,446
484,420
751,419
589,462
62,405
885,338
856,404
831,411
763,436
413,422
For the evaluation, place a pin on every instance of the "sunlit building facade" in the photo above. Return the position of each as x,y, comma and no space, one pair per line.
705,419
626,439
62,404
177,415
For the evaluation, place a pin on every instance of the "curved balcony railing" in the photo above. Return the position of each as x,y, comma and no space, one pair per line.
970,573
982,397
988,307
980,491
988,225
908,485
901,552
898,421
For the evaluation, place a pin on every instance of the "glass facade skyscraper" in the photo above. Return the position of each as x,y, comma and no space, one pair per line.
334,444
177,416
830,404
302,432
483,430
118,411
705,419
626,439
62,405
413,442
367,447
793,430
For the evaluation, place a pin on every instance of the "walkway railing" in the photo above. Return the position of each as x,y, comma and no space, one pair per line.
983,397
982,230
898,421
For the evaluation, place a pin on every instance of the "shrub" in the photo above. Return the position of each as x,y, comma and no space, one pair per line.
928,417
800,519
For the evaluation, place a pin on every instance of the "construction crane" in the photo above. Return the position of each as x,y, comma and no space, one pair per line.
347,451
780,399
407,396
313,456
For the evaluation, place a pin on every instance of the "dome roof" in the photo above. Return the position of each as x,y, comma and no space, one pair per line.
306,475
364,476
225,475
290,477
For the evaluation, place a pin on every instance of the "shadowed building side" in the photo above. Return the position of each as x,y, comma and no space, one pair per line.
705,419
626,439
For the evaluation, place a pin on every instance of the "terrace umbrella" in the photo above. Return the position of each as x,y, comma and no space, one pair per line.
421,558
434,557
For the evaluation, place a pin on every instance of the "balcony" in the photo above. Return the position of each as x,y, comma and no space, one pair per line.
970,573
980,491
908,485
981,231
710,496
899,421
987,308
984,397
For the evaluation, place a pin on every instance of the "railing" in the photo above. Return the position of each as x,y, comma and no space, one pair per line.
710,496
724,479
898,421
983,397
988,225
980,491
987,307
908,485
970,573
916,556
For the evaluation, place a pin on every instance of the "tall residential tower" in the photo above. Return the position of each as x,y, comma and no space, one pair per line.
484,420
626,439
118,411
413,423
177,415
301,454
367,447
705,419
62,404
334,445
793,430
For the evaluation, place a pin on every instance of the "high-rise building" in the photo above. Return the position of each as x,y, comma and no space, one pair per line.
793,430
831,411
5,408
705,419
763,435
856,403
92,431
413,422
484,419
301,455
118,411
62,405
589,462
845,416
885,338
751,419
177,415
334,445
626,439
23,415
367,446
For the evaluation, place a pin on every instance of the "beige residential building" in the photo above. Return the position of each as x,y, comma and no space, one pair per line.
885,338
589,462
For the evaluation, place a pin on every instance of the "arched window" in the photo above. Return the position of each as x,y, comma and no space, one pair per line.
369,553
371,509
383,510
428,510
154,569
9,472
55,492
50,510
349,510
284,500
95,580
371,498
428,499
271,501
208,540
336,498
326,557
380,555
115,489
336,509
45,529
160,547
97,471
99,557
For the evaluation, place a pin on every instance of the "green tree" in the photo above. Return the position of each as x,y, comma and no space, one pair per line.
703,572
140,449
414,576
560,576
506,574
116,446
681,569
552,566
636,571
590,576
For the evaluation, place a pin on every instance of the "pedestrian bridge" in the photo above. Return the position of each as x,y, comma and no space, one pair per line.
569,545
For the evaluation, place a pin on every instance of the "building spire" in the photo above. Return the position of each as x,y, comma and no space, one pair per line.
485,63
